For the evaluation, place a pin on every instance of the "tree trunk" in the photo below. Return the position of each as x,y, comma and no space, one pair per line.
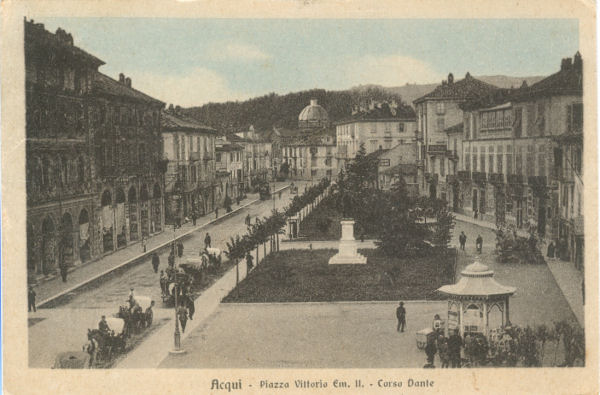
264,250
257,259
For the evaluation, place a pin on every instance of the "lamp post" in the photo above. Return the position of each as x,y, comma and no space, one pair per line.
177,335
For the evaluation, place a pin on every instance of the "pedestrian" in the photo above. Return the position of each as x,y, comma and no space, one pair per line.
437,324
551,249
479,243
217,212
131,298
401,316
31,299
454,346
194,217
249,261
155,262
248,219
144,243
91,347
171,259
180,249
462,240
207,241
63,272
469,348
163,282
430,350
190,305
182,314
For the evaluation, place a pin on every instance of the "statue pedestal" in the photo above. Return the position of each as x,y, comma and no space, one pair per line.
347,253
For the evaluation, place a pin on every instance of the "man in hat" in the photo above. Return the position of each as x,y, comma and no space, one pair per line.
462,240
207,241
401,316
103,325
31,299
155,262
479,243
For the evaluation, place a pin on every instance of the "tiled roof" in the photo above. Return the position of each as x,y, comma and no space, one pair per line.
173,122
378,153
105,84
567,81
464,89
402,168
307,137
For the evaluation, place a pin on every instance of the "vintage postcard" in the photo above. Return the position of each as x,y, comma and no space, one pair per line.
299,197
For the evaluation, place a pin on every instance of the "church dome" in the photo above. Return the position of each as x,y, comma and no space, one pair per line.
313,115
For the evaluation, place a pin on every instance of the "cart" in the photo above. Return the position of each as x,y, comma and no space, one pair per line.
145,303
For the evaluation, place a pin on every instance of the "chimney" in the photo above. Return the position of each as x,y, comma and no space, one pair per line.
313,102
468,75
524,84
122,78
171,110
177,110
128,82
565,64
450,79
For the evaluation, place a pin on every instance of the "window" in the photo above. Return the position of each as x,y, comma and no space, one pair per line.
482,160
440,124
519,161
507,119
490,159
400,127
542,161
440,108
499,159
509,163
474,158
467,157
517,123
530,161
576,152
529,131
218,157
373,145
575,117
442,167
540,121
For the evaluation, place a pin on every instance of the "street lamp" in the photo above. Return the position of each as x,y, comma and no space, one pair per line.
177,335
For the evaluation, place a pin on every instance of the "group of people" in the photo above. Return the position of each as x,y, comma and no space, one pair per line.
447,348
462,240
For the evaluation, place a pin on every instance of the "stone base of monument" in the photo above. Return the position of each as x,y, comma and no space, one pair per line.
347,252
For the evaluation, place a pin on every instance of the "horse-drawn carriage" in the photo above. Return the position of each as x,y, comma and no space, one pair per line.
137,315
264,191
108,341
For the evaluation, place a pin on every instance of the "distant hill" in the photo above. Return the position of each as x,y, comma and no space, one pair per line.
411,92
271,110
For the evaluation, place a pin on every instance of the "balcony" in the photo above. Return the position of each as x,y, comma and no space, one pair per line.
451,179
208,156
464,175
437,149
195,156
479,176
497,178
420,163
515,179
452,155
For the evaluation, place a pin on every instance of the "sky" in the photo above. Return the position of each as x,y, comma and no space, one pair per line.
190,62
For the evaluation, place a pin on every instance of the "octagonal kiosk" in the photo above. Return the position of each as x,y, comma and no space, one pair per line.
474,298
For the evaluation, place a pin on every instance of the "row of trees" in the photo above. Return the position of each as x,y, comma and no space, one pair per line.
268,229
403,224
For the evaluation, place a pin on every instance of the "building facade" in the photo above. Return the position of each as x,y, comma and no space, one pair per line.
521,158
436,111
190,182
230,168
397,162
87,195
379,126
310,150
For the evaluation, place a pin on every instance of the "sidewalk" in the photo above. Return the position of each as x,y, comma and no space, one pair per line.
565,274
85,273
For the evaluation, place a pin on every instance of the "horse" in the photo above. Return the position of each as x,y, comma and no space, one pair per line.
104,351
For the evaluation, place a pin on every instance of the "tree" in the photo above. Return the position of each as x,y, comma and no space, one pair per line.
442,229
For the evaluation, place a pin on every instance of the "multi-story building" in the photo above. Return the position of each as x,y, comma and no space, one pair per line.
516,165
230,167
399,161
310,150
94,176
436,111
258,155
449,165
376,126
189,149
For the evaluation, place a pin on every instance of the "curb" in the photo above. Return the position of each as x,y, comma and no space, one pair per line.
351,302
143,255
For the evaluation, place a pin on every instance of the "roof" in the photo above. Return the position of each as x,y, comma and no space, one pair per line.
458,128
176,122
477,281
36,33
106,85
313,112
382,113
378,153
464,89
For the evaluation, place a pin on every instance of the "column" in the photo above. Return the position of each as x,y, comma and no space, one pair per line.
461,329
